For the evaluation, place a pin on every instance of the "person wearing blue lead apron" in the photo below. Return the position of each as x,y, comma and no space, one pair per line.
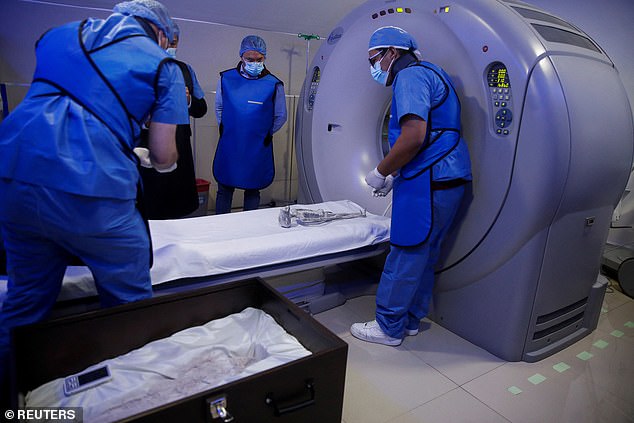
427,169
250,108
68,173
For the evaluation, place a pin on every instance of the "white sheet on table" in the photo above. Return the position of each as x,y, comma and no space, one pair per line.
220,244
190,361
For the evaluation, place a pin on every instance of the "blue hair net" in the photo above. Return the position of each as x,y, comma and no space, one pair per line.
151,10
391,36
253,42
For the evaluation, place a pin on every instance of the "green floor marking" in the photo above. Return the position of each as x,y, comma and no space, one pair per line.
617,333
600,344
561,367
514,390
629,324
536,379
584,355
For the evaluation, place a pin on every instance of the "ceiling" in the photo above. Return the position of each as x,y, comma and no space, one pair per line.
288,16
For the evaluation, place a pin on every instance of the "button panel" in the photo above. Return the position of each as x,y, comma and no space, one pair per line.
501,98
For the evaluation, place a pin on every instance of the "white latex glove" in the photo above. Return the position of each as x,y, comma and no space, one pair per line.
144,156
167,170
389,182
375,179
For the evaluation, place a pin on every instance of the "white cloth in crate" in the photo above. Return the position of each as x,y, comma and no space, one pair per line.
190,361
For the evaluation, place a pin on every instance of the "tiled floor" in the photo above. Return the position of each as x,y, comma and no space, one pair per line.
438,377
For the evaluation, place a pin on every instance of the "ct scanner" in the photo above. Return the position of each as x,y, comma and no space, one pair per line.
550,132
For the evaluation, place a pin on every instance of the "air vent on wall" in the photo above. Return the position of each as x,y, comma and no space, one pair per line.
556,35
541,16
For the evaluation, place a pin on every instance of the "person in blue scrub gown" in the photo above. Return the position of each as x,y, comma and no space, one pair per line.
250,108
68,173
427,169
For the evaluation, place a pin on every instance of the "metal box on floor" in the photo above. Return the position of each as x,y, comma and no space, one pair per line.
309,389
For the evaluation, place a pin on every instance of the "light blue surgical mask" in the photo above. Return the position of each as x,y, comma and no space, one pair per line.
172,52
254,68
379,74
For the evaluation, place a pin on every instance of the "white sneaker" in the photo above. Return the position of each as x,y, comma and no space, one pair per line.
411,332
371,332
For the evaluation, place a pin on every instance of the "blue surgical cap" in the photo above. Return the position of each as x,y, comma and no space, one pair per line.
151,10
253,42
391,36
176,31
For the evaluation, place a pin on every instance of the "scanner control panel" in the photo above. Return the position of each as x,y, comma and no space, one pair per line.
500,97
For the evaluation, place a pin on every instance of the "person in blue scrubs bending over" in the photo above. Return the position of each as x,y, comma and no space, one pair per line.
250,108
427,168
68,173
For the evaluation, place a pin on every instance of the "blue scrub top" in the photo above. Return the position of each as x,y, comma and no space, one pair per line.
244,157
75,133
418,90
198,91
424,90
279,106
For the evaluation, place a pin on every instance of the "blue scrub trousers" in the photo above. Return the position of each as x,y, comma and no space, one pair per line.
42,227
224,198
407,282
